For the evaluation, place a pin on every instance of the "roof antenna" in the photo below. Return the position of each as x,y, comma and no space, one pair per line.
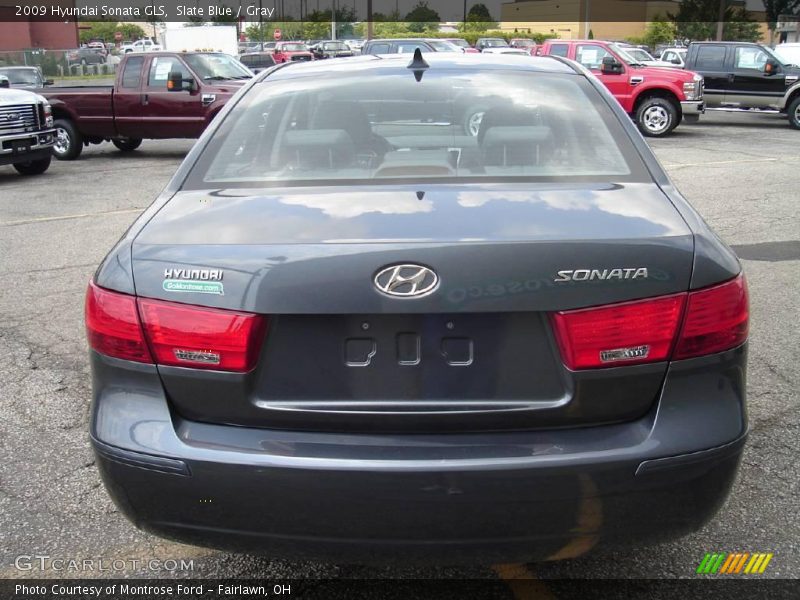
418,64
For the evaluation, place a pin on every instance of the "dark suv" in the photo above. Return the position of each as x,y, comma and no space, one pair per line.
746,76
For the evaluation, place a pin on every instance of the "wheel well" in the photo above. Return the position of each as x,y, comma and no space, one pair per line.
658,93
792,97
60,113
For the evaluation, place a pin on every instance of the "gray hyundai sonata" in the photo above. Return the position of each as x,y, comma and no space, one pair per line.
444,308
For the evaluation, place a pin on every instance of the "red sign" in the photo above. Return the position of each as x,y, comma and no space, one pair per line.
276,34
117,36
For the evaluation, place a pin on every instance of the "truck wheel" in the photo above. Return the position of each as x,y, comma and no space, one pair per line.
33,167
656,116
794,113
127,144
69,143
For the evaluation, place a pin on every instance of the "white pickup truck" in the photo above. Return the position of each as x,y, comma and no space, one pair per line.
26,130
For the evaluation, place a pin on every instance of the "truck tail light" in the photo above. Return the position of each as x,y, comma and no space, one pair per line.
172,334
182,335
112,325
656,329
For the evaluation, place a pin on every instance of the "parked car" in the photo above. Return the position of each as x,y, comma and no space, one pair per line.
98,47
26,130
257,61
143,45
25,77
330,49
524,44
86,56
463,44
747,76
657,99
506,50
642,56
674,56
156,95
291,52
355,45
339,335
789,53
396,46
483,43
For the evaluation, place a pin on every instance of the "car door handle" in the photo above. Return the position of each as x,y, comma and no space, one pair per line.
207,99
145,99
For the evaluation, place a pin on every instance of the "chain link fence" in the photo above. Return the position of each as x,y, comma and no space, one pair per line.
62,63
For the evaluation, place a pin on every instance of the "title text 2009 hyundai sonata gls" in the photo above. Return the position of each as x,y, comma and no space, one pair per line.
354,327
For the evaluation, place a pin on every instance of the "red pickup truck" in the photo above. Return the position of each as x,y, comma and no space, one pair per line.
657,98
156,95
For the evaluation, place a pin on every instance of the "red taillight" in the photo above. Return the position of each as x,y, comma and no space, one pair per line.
716,319
112,325
619,334
202,338
174,334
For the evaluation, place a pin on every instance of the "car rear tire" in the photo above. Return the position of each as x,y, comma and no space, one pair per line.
793,112
33,167
656,116
127,144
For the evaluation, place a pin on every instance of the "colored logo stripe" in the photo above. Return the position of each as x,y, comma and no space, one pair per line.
734,563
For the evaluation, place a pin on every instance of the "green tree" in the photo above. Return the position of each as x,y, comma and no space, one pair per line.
105,30
478,19
422,18
697,20
659,31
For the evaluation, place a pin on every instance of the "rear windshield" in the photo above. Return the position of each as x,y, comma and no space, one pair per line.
450,126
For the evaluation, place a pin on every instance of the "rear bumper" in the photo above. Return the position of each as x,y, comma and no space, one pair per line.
451,498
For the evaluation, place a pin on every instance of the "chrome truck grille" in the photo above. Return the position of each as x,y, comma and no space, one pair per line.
18,118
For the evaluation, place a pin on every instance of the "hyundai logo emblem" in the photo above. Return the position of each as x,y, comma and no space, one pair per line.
406,281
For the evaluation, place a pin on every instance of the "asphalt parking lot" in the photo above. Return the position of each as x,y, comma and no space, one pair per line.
739,171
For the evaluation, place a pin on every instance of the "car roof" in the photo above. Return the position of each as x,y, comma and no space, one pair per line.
436,60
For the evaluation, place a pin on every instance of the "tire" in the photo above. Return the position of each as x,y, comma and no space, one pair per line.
69,142
793,112
127,144
656,116
33,167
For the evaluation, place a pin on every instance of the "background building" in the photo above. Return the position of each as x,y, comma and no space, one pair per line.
16,34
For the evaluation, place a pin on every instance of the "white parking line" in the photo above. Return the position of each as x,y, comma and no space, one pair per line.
121,211
728,162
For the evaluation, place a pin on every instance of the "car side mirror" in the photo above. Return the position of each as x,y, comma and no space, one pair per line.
176,82
770,67
4,82
49,82
610,66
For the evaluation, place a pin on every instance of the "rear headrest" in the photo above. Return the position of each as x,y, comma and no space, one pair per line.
516,136
319,148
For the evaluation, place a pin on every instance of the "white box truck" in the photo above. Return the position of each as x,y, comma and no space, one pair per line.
207,38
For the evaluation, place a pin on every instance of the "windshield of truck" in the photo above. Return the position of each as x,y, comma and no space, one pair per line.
211,67
337,46
362,129
22,76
